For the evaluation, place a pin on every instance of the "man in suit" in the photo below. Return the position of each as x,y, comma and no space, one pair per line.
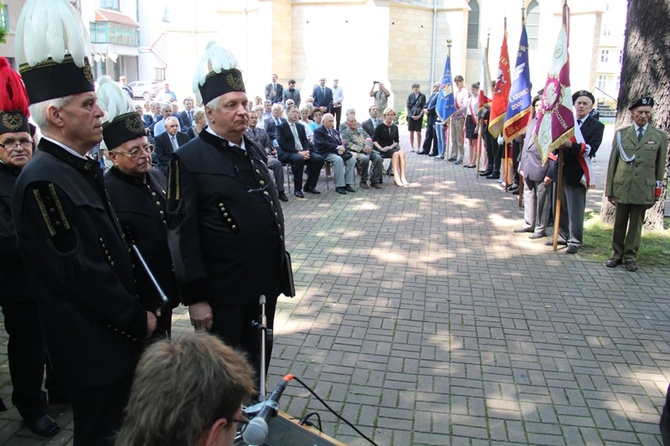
273,122
291,93
295,149
370,124
328,143
274,91
634,180
323,97
260,137
536,177
186,115
168,142
94,324
430,143
574,157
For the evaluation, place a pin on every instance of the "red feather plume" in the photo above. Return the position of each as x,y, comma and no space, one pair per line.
13,96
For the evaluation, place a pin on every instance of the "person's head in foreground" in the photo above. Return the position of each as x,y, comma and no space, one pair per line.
187,391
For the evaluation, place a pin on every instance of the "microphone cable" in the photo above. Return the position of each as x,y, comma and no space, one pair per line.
333,412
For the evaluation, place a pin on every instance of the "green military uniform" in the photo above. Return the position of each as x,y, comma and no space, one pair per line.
631,180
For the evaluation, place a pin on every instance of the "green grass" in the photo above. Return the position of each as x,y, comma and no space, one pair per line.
654,248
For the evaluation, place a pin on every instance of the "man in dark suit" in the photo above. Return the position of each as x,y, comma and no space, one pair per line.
298,152
370,124
186,115
574,159
169,141
430,143
260,137
273,122
274,91
328,143
323,97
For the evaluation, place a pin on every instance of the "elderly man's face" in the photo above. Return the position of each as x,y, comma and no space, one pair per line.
132,157
253,120
583,106
351,123
17,155
82,121
172,126
328,122
277,110
641,115
230,117
167,112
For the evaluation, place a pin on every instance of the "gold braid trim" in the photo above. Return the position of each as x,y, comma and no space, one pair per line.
43,211
174,179
52,189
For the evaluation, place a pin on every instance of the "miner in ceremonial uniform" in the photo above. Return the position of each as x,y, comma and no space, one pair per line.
227,235
635,174
94,325
25,349
137,193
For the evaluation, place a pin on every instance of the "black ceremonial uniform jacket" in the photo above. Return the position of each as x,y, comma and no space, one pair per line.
227,234
139,203
14,283
92,320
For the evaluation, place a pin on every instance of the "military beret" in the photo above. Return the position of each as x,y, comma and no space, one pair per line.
644,100
581,93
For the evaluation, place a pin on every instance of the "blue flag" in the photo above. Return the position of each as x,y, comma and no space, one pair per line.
518,106
445,97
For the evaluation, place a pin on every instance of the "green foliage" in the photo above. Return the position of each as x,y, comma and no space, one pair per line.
654,247
401,119
3,35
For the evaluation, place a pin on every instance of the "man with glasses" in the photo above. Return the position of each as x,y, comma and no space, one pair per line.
94,324
137,193
226,222
168,142
188,391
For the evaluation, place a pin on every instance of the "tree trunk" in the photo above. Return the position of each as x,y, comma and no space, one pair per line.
645,72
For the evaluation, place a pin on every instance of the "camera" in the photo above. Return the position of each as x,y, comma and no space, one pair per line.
375,82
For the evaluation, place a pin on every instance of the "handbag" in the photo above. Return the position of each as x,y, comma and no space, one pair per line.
346,155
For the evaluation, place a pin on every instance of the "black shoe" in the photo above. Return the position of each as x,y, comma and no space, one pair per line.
311,190
299,194
458,162
512,188
44,426
485,173
282,196
422,153
451,159
348,188
432,154
535,236
493,176
572,249
341,190
613,262
631,266
515,192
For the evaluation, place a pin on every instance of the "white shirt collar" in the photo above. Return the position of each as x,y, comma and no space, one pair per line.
66,148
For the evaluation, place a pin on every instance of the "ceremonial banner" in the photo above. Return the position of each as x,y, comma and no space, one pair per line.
556,125
445,97
485,92
517,116
500,90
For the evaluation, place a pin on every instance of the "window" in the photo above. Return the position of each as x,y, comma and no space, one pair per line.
110,4
606,31
4,19
108,32
604,55
602,82
473,25
533,24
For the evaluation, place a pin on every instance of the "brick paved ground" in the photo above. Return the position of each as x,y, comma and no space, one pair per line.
424,320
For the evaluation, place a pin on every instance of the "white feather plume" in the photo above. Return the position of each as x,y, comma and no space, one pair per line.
50,28
112,99
215,59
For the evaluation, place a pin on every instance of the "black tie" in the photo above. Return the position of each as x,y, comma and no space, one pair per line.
640,132
254,132
579,122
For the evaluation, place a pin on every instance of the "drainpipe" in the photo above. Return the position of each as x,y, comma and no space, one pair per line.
432,50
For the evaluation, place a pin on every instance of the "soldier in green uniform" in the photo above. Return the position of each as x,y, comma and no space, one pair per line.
636,169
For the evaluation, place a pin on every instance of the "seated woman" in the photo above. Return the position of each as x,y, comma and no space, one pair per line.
386,141
199,123
304,120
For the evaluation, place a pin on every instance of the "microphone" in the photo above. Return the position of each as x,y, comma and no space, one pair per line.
256,431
